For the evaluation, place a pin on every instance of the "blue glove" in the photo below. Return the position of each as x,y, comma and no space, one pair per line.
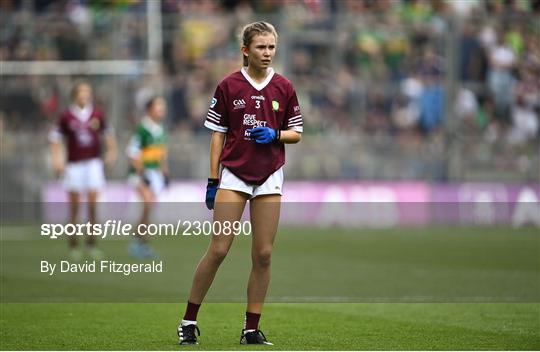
264,135
211,190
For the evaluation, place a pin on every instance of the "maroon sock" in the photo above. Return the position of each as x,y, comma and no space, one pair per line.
252,321
191,311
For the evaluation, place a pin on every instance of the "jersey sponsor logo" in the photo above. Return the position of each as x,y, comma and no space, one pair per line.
296,109
251,120
213,103
275,105
239,104
257,97
94,124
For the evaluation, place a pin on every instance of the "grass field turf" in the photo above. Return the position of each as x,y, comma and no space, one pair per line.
309,266
305,326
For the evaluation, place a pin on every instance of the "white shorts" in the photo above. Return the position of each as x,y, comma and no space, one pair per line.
273,185
156,178
84,176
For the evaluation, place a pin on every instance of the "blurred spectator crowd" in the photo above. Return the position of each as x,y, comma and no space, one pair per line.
405,72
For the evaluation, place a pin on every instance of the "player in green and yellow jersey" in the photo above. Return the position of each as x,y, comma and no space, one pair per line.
147,152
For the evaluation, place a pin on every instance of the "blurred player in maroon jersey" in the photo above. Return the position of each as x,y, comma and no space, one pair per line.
253,113
81,128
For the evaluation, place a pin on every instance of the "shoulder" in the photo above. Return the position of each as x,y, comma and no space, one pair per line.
231,80
64,118
282,81
139,129
98,112
283,85
64,115
139,133
142,130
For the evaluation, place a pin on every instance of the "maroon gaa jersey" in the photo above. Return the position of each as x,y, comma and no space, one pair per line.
239,104
81,130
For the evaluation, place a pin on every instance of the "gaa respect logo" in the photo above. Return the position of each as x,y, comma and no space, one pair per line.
239,104
251,120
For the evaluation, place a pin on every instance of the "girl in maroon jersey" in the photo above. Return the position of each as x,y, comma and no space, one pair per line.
253,113
80,128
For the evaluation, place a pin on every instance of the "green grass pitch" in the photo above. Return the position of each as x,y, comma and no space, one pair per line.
304,326
330,290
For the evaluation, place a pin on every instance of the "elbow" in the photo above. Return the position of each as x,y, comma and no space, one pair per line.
297,138
290,136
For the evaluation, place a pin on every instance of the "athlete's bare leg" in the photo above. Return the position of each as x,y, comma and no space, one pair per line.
92,214
229,206
74,199
148,199
264,221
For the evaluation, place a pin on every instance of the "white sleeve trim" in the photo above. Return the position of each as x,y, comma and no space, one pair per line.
133,149
212,119
299,129
215,127
55,136
295,121
212,112
299,123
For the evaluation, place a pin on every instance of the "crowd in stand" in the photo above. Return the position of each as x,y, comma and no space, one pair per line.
373,67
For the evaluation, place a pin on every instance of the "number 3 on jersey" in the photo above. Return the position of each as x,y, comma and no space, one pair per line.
257,104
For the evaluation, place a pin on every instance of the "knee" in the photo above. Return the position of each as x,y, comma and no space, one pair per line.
262,258
146,195
218,254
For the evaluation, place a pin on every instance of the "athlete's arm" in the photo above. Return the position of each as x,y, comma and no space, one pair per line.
112,149
216,147
164,163
57,157
137,164
133,152
164,167
56,147
290,136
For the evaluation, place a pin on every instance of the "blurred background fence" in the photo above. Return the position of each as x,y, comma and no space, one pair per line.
442,91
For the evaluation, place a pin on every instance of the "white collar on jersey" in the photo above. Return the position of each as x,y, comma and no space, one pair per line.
82,114
258,86
152,126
